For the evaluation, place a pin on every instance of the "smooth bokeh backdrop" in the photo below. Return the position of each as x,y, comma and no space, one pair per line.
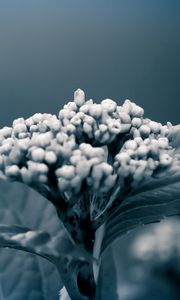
112,49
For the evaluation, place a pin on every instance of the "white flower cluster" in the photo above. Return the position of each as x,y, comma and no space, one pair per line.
26,149
98,122
146,150
75,146
86,163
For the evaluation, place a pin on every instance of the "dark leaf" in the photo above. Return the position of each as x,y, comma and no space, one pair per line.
146,207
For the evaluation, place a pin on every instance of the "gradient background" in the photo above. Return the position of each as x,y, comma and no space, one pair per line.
112,49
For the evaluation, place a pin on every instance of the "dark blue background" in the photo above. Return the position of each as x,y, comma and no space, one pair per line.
117,49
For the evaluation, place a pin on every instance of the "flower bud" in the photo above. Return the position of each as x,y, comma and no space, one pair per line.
18,121
42,127
122,157
154,126
61,137
136,122
85,108
83,169
38,154
42,168
12,171
124,117
78,151
144,130
163,143
95,160
138,140
105,138
5,132
89,120
44,139
71,106
110,181
138,174
114,126
106,168
23,135
164,131
103,128
55,125
50,157
5,149
29,122
109,105
15,155
75,159
37,118
70,129
97,172
125,128
131,152
142,151
88,130
64,114
136,111
26,176
127,106
33,128
76,120
79,97
19,128
97,135
147,141
66,171
135,133
95,111
131,144
124,170
97,152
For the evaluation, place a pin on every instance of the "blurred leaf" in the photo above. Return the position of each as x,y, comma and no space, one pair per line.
22,275
36,242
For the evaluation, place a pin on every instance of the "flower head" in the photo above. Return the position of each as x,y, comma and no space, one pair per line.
96,144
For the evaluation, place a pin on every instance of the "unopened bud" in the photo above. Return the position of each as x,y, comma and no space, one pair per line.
79,97
38,154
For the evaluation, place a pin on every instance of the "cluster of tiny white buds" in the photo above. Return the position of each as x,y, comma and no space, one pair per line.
141,156
75,146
